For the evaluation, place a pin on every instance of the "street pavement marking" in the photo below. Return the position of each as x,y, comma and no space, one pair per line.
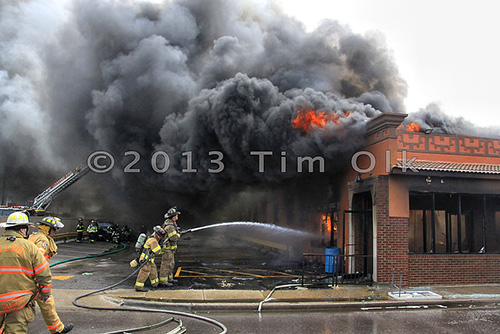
62,278
241,273
224,273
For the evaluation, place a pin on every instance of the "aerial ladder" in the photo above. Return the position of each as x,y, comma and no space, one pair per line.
43,200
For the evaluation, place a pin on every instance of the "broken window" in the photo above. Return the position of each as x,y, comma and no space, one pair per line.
454,223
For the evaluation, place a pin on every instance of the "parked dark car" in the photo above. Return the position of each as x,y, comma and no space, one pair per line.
102,228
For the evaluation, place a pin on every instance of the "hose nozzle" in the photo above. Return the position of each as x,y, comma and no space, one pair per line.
182,232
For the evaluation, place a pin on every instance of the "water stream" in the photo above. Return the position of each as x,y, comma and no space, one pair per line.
268,227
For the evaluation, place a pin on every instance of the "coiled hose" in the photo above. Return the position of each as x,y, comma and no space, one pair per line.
133,309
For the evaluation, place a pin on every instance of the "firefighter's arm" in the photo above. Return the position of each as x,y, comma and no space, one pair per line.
43,277
144,254
156,248
173,236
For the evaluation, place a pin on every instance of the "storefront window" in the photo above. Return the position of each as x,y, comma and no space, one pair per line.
454,223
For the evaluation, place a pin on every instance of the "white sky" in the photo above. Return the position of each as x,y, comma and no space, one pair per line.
447,51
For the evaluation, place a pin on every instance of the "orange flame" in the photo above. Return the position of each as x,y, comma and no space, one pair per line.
411,127
307,120
327,223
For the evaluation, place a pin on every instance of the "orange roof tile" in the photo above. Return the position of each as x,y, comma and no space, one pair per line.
440,166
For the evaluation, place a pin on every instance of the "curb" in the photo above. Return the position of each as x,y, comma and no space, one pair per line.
314,306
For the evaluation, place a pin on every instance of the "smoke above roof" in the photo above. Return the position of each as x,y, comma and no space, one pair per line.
185,77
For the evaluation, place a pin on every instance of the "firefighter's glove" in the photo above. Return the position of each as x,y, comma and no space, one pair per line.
134,263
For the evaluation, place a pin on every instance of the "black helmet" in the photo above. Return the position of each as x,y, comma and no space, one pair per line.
172,212
52,222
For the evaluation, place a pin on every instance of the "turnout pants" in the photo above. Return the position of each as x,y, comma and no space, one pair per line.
17,322
167,266
148,271
48,310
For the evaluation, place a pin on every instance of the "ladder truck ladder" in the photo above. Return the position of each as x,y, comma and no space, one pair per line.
43,200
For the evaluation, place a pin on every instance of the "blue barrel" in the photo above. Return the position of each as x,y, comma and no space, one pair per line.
331,261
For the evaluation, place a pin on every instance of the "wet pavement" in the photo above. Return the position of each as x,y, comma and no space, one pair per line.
232,287
210,276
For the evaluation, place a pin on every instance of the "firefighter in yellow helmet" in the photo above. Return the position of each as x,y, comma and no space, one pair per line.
80,228
43,239
169,247
148,270
92,231
24,276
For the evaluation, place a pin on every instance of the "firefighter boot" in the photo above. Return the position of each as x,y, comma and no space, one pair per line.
67,328
166,285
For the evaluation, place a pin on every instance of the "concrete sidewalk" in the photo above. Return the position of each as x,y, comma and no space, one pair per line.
346,297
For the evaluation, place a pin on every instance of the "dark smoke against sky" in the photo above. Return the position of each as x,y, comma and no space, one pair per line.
182,76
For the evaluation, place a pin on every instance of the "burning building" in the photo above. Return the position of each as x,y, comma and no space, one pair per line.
424,204
215,85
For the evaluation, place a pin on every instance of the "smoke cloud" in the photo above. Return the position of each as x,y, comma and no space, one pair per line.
432,117
188,78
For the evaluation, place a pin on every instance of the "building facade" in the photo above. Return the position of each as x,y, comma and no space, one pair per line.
422,206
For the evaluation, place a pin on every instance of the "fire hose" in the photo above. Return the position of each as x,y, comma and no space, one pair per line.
180,328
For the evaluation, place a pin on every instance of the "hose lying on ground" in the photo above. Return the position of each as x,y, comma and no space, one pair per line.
268,298
90,256
136,309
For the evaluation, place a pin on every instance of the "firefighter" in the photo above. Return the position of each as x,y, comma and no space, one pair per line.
116,234
43,239
148,270
125,234
79,230
169,248
92,231
109,232
25,274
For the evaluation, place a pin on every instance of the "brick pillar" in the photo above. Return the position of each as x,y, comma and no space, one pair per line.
392,237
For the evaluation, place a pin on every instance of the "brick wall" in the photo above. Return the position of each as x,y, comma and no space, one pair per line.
392,237
449,269
423,269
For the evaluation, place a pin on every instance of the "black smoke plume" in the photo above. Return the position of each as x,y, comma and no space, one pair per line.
188,78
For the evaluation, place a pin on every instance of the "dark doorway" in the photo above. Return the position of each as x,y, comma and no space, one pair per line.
359,250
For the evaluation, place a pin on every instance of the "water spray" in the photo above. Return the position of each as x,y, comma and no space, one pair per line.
273,228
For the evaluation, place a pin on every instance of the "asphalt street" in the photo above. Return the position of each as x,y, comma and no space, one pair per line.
225,263
404,322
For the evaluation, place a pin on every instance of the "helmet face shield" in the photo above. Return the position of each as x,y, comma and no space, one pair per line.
159,231
59,224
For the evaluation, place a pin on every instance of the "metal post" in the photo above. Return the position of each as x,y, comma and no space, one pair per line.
433,224
424,230
400,282
343,233
484,224
303,267
459,222
392,282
